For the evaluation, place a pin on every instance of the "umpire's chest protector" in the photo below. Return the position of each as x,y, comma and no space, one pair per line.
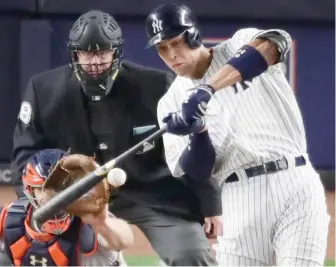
60,250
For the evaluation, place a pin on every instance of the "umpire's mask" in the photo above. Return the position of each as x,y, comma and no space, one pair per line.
96,50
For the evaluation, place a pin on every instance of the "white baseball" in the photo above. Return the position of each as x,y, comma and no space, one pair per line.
116,177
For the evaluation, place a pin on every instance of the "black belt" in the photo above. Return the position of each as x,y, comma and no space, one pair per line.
267,168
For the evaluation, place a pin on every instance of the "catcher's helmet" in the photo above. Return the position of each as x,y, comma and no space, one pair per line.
170,20
96,31
39,166
34,175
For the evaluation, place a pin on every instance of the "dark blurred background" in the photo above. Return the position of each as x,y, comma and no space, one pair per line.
33,36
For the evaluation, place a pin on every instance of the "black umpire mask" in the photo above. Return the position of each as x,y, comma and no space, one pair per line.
96,50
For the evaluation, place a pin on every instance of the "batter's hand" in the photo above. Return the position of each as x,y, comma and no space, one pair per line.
213,227
178,126
196,105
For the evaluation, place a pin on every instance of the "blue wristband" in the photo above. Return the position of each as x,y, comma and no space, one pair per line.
198,160
249,62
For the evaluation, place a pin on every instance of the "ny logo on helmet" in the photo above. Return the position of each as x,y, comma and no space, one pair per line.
157,26
38,262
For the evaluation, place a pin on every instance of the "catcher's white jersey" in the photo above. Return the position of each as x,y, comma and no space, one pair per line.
102,257
251,123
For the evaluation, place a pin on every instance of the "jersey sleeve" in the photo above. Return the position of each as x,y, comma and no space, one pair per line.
244,36
28,135
101,257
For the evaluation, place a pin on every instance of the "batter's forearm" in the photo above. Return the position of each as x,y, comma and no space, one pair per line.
116,233
228,75
224,78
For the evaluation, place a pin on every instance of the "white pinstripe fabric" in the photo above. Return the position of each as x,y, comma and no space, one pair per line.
250,126
278,219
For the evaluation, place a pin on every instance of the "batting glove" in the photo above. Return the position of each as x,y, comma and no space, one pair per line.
196,105
177,125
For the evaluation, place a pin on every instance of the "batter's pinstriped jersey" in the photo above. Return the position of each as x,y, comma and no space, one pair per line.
274,218
248,123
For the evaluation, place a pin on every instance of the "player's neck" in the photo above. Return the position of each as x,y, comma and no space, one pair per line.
203,63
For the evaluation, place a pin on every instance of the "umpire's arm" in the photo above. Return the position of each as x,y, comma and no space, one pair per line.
28,135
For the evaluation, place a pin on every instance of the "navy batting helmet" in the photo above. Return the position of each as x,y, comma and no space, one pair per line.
171,20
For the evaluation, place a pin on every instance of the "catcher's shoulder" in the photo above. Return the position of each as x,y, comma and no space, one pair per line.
3,215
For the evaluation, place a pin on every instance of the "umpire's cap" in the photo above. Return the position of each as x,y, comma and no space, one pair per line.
170,20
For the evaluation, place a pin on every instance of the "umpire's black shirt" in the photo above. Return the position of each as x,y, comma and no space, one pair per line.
55,113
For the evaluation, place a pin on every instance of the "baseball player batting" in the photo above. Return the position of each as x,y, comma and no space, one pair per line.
231,113
66,239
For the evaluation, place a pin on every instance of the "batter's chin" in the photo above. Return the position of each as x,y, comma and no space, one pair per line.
181,70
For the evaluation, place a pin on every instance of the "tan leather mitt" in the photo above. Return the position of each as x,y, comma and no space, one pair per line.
69,170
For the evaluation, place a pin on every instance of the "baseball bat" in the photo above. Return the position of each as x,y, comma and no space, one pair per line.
78,189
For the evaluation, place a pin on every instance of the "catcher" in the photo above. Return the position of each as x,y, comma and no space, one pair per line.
85,234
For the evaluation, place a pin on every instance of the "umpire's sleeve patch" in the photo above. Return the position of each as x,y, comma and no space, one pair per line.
25,114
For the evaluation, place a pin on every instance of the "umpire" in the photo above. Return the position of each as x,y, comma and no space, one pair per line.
101,106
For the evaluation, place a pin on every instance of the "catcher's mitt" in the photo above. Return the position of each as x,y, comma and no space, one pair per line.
69,170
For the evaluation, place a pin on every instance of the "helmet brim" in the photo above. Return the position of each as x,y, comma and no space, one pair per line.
163,36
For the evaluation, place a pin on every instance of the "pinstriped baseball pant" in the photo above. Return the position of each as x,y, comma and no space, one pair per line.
275,219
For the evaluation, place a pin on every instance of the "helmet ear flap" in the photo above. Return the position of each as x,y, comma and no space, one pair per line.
193,37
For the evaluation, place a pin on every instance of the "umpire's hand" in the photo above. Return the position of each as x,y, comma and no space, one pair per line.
213,227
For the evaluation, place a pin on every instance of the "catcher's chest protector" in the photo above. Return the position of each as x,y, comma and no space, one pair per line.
60,251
